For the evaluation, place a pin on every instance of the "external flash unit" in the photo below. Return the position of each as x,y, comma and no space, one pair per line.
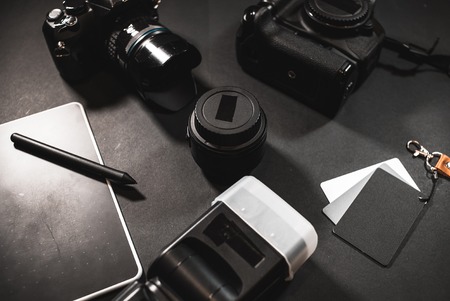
249,240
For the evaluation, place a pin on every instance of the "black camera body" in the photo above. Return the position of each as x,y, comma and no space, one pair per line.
316,50
71,40
128,34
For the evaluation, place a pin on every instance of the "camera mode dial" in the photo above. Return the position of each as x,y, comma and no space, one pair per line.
346,14
75,7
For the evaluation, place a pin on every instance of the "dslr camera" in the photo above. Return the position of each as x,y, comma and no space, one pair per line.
316,50
128,34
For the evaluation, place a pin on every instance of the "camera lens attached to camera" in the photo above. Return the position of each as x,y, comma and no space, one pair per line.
158,61
226,133
129,35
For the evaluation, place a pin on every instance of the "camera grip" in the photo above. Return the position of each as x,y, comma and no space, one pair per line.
300,51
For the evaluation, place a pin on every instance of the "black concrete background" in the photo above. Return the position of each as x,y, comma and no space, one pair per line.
396,103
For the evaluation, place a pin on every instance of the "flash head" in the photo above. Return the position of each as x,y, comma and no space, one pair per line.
248,241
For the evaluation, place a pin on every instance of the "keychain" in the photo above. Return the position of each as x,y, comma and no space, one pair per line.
441,167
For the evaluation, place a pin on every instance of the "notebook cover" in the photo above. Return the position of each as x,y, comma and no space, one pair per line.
62,234
380,217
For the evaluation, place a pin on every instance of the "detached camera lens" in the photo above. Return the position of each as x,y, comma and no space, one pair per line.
227,132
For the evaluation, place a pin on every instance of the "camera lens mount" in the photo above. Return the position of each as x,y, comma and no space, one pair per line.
342,14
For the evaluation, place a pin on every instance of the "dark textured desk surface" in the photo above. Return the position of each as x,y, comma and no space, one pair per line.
397,103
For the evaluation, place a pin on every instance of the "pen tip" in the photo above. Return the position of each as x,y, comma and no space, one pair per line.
127,179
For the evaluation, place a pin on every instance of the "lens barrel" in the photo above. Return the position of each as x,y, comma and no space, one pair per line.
158,61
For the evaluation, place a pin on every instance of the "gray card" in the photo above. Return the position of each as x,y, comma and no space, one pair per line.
381,217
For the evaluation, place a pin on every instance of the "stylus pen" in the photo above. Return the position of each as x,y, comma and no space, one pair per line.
69,160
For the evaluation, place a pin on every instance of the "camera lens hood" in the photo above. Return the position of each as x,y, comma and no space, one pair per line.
226,133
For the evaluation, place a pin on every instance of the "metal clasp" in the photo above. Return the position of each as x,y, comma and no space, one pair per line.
417,149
